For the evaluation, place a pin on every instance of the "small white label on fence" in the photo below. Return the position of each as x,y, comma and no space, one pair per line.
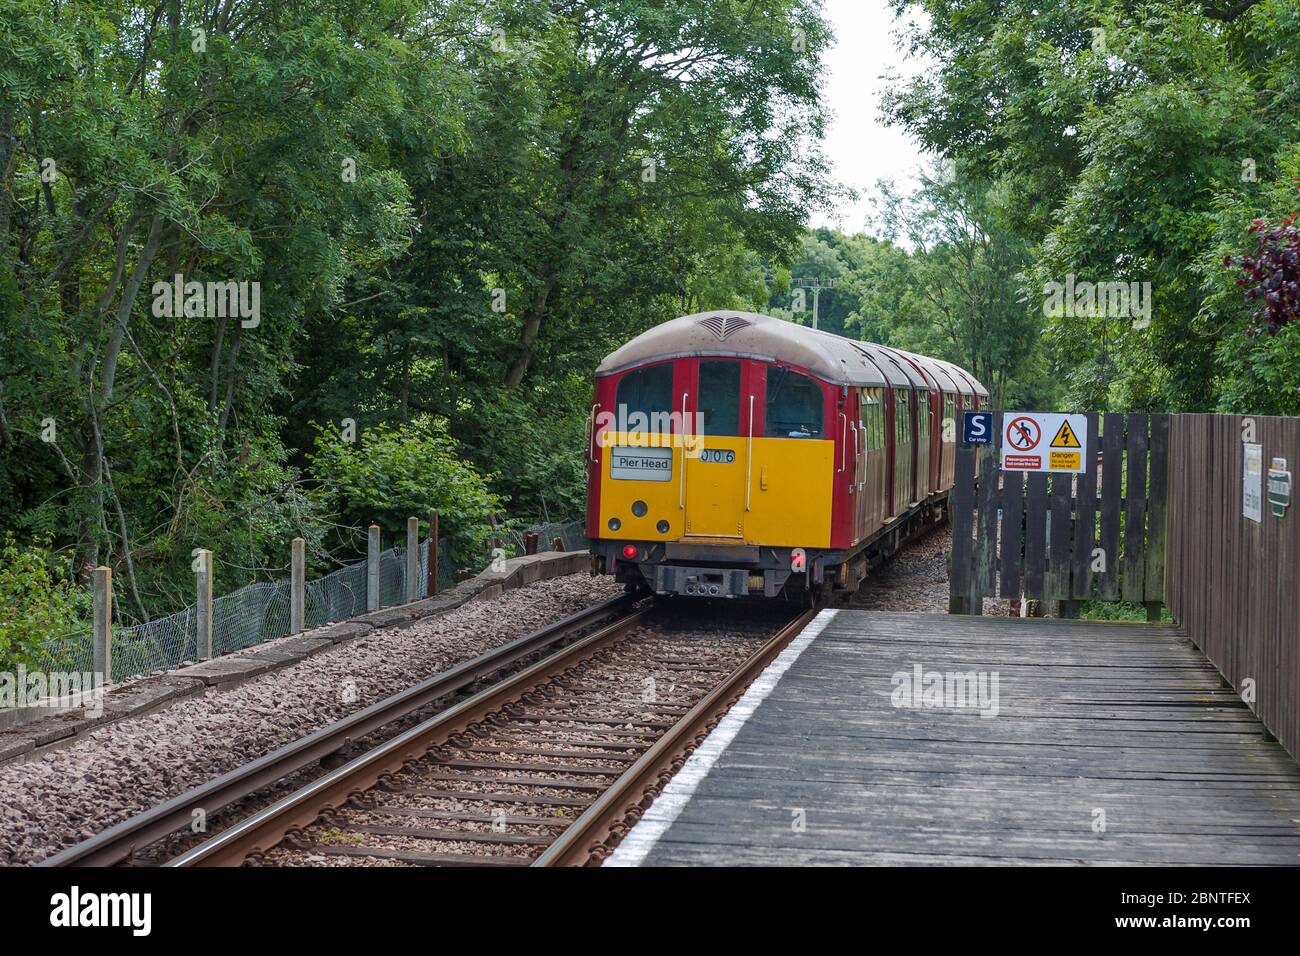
641,464
1252,481
1279,487
1044,441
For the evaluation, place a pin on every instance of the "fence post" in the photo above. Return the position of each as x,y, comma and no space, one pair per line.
433,552
203,608
412,560
298,587
530,542
496,539
372,569
103,643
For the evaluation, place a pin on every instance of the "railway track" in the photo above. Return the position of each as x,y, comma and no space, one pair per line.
125,842
547,767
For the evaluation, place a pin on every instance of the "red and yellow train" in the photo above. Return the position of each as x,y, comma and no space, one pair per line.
732,454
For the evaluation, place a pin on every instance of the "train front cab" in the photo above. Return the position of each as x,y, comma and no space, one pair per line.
708,471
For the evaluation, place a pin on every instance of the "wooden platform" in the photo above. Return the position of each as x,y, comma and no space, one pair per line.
1121,719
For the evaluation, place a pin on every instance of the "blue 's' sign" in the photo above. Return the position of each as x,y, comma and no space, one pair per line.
977,428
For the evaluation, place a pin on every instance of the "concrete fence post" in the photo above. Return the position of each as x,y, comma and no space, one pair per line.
203,607
372,569
433,552
412,560
298,587
103,641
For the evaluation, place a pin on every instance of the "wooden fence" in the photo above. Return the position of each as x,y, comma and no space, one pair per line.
1232,582
1064,537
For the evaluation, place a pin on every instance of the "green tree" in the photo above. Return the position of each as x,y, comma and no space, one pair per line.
1138,142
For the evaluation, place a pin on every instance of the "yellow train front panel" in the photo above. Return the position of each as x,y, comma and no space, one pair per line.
646,495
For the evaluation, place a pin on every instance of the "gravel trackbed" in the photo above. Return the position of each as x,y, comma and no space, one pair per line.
134,764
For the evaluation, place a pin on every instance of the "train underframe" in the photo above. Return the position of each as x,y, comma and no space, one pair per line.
714,570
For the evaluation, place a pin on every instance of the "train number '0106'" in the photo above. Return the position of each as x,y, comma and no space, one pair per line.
718,456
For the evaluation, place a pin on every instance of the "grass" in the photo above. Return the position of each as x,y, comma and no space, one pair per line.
1119,611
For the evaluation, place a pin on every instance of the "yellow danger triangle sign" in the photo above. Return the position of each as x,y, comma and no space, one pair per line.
1065,437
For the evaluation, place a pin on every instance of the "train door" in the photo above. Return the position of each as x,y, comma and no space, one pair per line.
922,474
891,453
714,473
904,455
853,406
875,492
948,446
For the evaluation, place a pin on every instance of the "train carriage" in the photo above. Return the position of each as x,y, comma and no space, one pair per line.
732,453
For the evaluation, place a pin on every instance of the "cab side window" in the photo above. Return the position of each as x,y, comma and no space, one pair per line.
794,405
645,399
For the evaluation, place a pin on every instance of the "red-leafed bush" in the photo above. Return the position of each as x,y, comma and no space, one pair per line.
1271,276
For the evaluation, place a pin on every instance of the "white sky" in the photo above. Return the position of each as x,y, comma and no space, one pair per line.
860,147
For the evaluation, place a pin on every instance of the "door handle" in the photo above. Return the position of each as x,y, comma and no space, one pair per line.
749,454
844,435
591,436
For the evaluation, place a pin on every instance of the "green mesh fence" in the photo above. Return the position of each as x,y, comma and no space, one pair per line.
260,612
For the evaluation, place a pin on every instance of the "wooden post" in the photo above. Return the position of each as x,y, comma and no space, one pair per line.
103,641
372,569
203,607
298,586
412,560
530,542
433,552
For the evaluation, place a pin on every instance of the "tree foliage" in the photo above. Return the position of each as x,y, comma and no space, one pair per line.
1138,142
451,208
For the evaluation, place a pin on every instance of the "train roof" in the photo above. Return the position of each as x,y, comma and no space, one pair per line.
941,375
964,378
729,333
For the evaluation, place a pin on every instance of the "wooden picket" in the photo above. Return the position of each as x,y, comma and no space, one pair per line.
1037,536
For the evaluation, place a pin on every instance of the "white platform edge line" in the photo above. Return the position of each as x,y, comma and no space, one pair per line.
641,839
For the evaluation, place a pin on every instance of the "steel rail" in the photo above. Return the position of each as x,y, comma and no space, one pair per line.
266,828
119,842
587,840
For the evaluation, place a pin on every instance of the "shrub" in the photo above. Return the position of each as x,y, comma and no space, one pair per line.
39,602
389,474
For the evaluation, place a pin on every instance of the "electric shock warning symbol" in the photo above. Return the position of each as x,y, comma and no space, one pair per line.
1024,433
1065,437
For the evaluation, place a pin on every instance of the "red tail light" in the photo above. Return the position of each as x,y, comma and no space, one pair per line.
629,551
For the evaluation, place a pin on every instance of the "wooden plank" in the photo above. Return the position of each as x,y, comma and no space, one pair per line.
963,517
1157,507
1012,535
1085,520
1057,584
1183,772
1135,508
985,581
1112,477
1035,535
